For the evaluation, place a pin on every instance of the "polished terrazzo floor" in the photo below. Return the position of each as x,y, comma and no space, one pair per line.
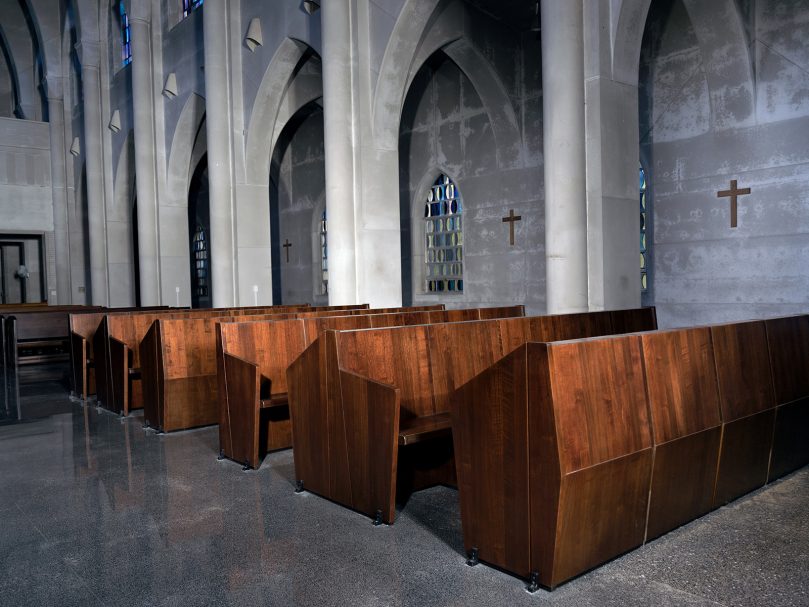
96,511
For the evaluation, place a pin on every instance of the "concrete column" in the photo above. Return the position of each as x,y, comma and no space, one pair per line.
93,150
218,101
339,140
56,113
145,171
564,148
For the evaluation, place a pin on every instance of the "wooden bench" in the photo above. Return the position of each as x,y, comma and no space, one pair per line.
116,346
178,360
259,353
554,454
355,396
788,345
687,426
747,402
82,331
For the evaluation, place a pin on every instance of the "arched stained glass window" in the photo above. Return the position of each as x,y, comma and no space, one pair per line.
644,258
190,5
200,245
443,253
324,256
126,38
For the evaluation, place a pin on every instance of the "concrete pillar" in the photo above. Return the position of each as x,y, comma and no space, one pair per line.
339,139
216,29
145,171
56,113
564,148
93,150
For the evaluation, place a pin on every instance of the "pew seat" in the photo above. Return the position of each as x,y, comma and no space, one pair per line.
417,429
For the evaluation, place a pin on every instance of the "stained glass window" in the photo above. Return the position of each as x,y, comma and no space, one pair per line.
200,246
443,253
324,257
644,259
126,38
190,5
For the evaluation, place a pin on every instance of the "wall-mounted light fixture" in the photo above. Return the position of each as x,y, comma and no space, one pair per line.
311,6
170,88
254,38
75,147
115,122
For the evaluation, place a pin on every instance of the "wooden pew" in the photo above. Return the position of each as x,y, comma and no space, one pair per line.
747,401
253,359
368,407
788,344
180,371
686,425
82,331
116,346
554,456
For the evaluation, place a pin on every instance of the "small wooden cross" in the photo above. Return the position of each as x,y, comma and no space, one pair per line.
510,221
733,193
286,245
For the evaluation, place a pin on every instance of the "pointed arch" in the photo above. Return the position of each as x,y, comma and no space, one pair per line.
284,65
182,147
726,58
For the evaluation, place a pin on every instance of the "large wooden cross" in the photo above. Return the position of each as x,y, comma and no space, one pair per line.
286,245
510,221
733,193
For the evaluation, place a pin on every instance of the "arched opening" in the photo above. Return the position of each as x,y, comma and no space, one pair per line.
297,192
199,230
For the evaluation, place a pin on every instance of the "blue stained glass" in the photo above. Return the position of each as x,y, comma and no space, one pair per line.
126,47
444,240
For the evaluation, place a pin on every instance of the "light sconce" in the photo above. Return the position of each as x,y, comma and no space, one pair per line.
170,88
115,122
311,6
75,147
254,38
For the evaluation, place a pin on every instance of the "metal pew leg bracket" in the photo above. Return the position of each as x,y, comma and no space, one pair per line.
221,455
378,518
473,558
533,582
299,486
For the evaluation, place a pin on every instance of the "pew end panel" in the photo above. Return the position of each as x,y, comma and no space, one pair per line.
747,403
78,364
152,371
686,426
596,407
307,409
242,415
490,435
371,413
120,366
788,343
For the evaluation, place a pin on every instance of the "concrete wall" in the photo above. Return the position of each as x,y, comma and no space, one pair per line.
694,141
299,191
447,127
25,176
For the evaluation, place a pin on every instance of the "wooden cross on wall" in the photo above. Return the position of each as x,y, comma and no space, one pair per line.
510,221
286,245
733,193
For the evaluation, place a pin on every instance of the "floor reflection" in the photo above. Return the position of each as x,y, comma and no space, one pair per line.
97,510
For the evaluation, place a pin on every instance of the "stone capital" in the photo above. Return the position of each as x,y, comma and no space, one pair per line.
89,53
55,84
